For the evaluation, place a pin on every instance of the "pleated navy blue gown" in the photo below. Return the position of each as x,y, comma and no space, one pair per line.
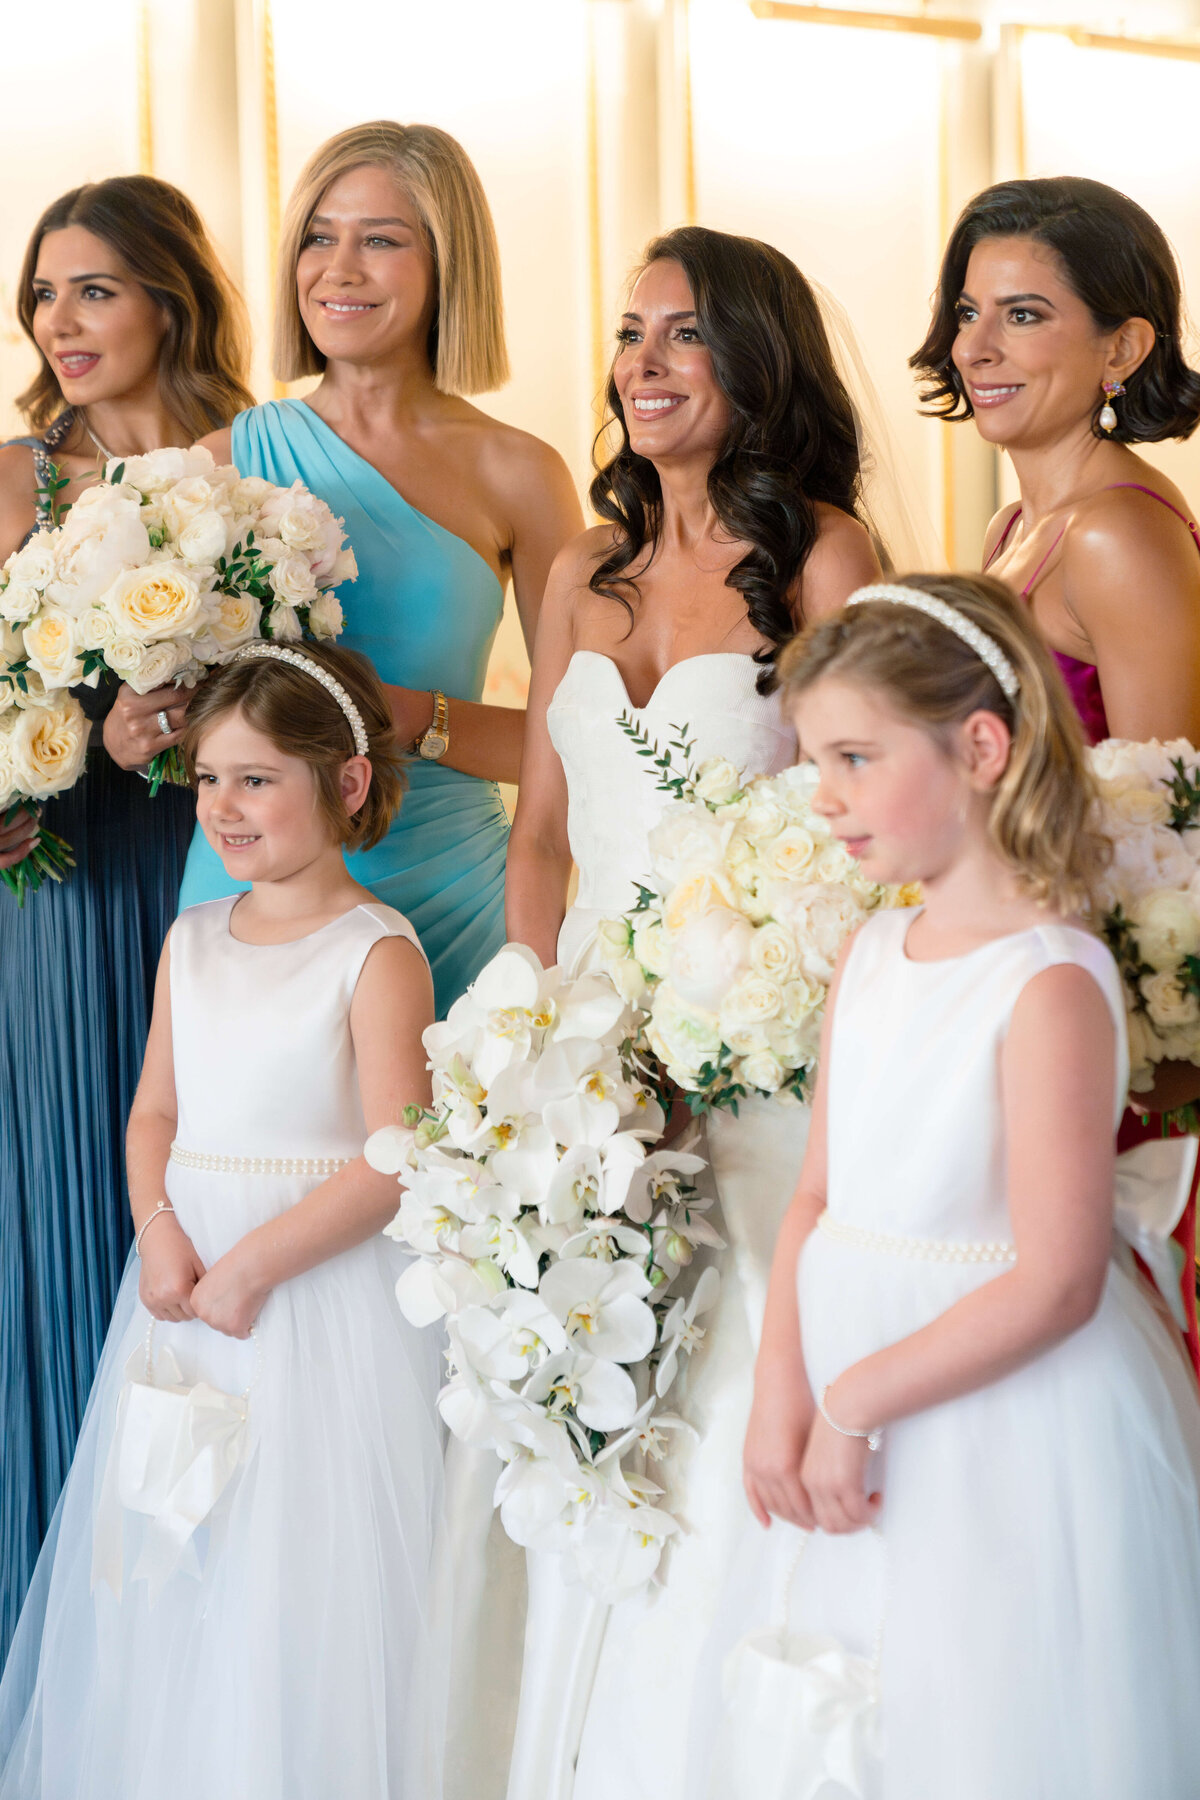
77,968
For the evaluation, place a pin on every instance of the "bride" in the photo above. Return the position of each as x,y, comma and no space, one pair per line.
731,514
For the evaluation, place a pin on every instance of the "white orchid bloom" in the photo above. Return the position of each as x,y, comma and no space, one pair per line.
680,1332
606,1239
600,1393
574,1188
483,1413
647,1118
657,1182
540,1480
505,1239
621,1549
647,1434
528,1165
601,1306
680,1231
582,1090
590,1007
508,1338
428,1290
454,1040
390,1149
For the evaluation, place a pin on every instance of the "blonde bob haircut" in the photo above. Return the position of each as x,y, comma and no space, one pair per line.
302,719
466,341
1041,820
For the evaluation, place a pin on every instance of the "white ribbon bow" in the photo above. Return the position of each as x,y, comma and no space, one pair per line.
1153,1181
174,1451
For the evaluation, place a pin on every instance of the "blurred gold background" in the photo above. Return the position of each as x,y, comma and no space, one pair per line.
848,136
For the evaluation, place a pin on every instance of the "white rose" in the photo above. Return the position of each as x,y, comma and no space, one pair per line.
161,601
156,665
94,628
1130,799
821,919
47,746
1145,1049
718,781
96,544
249,494
773,951
19,601
707,955
203,539
235,620
53,648
1166,928
790,856
763,1070
651,947
159,470
682,1038
186,501
801,998
285,624
123,656
686,841
763,818
345,568
292,581
8,699
325,616
33,563
751,1001
1171,1006
9,791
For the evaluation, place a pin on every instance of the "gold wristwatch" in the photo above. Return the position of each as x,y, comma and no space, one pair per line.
434,743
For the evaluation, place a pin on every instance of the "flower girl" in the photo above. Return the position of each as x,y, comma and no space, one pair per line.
965,1393
234,1600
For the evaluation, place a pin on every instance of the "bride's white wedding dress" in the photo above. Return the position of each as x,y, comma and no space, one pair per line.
605,1690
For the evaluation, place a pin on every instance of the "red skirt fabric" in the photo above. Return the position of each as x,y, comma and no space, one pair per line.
1140,1128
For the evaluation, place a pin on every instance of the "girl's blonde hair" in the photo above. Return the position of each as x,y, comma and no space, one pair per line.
302,718
161,239
466,340
1041,820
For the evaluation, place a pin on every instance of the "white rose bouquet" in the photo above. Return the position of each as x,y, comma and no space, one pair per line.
559,1250
43,742
1149,808
156,574
729,953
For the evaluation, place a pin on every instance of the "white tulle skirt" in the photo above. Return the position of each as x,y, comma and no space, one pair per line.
1035,1584
290,1653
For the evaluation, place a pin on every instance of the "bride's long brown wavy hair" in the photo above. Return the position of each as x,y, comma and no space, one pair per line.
792,432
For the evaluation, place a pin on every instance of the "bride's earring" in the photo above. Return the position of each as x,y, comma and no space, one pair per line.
1108,412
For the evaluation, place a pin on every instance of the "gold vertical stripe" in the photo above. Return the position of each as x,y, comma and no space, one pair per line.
595,233
144,93
1019,101
270,115
949,488
689,122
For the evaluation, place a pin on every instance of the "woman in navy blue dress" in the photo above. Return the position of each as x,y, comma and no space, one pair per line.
141,344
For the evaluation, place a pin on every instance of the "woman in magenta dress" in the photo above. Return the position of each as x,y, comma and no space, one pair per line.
1057,328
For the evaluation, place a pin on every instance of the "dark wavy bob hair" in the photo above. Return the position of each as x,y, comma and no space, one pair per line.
161,239
792,432
1114,257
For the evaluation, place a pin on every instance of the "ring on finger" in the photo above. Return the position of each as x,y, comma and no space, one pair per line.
164,723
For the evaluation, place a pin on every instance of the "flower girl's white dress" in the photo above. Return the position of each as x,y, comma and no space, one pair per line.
279,1648
1034,1586
604,1691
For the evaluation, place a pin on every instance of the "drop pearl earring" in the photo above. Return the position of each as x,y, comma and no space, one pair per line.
1108,412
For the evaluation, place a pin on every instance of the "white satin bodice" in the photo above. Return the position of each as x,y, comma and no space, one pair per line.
613,799
282,1083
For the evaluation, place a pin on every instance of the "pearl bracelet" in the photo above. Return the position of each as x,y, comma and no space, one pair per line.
874,1438
164,1206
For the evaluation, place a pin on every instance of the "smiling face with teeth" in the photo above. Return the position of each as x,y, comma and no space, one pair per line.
365,278
1029,352
97,327
674,409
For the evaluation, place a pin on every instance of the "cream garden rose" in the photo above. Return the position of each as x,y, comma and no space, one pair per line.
156,602
47,747
52,647
1166,927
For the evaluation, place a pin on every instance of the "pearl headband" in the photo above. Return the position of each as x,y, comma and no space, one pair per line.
258,652
986,649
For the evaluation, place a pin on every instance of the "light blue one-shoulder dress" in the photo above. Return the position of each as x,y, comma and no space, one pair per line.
425,609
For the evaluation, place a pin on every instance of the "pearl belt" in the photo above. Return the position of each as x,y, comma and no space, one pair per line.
944,1250
257,1165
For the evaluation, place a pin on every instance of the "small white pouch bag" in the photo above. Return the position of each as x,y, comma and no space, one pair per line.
174,1451
801,1719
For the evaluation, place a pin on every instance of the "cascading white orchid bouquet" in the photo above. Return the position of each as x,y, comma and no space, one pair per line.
730,950
156,574
1149,808
561,1253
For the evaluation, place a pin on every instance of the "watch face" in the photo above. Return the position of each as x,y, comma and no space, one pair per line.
433,745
